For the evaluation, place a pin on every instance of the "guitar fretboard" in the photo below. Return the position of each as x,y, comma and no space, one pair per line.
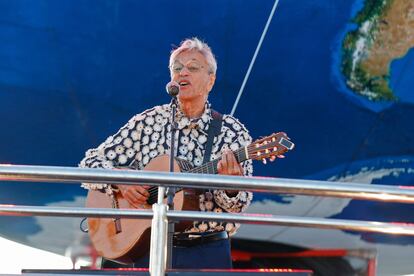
207,168
211,167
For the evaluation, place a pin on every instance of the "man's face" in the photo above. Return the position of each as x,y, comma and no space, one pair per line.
190,70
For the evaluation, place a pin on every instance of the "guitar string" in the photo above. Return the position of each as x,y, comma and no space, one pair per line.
205,168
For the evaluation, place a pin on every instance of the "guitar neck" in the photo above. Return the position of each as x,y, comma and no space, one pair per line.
211,167
267,147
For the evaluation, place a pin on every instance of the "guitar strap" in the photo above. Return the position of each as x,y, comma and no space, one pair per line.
213,131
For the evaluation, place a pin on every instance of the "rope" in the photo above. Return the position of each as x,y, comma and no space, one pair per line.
246,77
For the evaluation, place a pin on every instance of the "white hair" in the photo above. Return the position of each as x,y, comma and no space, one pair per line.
198,45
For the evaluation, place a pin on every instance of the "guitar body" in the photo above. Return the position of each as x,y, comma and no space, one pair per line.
125,240
132,241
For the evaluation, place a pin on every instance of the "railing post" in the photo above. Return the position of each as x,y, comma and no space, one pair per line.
158,252
372,264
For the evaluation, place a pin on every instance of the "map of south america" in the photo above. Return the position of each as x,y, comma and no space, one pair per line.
384,33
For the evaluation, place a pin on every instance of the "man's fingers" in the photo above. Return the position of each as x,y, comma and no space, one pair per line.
231,160
136,191
133,201
224,159
135,195
233,164
142,191
228,164
220,166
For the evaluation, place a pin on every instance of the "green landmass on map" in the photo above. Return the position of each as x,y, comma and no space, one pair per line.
385,31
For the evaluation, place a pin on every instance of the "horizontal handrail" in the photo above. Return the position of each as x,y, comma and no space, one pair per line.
203,181
292,221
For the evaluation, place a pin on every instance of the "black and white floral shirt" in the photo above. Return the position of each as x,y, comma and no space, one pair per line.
147,135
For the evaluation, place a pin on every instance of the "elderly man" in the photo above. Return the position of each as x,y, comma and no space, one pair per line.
147,135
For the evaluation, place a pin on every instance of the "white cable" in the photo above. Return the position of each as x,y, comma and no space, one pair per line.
254,57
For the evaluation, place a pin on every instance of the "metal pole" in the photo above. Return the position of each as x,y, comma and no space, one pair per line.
256,52
200,181
158,252
262,219
171,190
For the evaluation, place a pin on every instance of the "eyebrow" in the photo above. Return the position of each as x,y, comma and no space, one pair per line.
193,59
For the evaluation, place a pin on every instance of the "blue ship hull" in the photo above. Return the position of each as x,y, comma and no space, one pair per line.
73,72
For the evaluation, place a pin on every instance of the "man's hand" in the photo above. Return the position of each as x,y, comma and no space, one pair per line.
228,165
135,195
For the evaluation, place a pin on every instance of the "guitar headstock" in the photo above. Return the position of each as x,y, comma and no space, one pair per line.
270,147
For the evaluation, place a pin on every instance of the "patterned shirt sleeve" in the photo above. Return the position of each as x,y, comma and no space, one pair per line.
117,150
239,137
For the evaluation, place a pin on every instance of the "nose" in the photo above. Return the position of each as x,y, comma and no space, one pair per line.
184,71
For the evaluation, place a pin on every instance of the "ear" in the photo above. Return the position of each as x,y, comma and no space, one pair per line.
211,81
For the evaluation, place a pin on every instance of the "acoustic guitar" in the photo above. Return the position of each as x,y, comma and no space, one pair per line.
125,240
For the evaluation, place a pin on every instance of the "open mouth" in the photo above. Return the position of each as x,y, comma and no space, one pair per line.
184,83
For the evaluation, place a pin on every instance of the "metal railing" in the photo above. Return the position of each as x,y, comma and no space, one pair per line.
201,181
160,213
248,218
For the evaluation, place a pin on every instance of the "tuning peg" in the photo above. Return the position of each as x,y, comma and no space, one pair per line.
272,158
264,161
266,151
275,149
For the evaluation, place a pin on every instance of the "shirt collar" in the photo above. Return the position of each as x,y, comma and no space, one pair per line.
201,123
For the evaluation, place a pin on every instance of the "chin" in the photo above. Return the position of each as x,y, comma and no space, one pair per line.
186,96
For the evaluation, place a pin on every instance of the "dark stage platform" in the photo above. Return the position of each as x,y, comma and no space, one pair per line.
202,272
